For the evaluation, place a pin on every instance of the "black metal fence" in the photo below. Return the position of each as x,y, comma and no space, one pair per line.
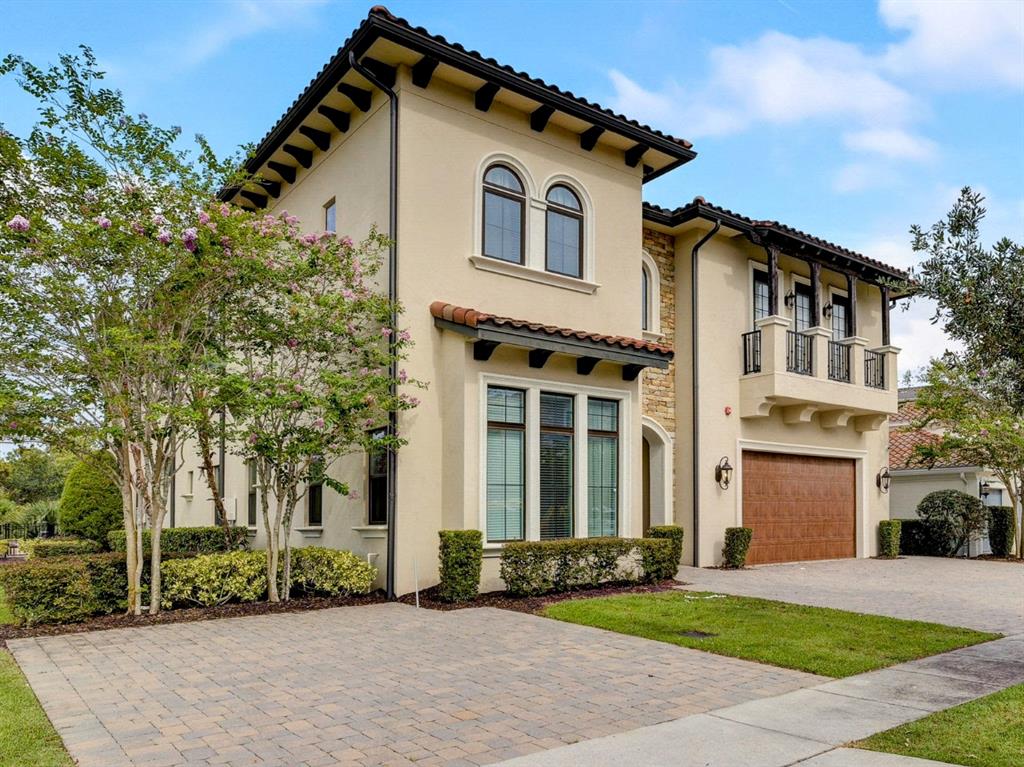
874,369
9,530
752,352
799,353
838,362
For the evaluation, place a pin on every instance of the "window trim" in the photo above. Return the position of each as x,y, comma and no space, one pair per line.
252,497
754,267
618,448
533,387
571,432
488,425
369,484
796,283
522,198
652,312
834,291
331,203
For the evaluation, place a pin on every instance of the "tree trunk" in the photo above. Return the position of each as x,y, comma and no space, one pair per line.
155,579
206,453
133,562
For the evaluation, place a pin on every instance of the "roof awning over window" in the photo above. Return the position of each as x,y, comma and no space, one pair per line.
490,331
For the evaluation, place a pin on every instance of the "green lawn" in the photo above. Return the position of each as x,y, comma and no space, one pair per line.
988,732
27,739
822,641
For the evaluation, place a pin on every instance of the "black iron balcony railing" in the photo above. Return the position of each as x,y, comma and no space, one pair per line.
799,353
752,352
874,369
838,362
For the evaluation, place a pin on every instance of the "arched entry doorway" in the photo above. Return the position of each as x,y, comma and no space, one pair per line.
657,475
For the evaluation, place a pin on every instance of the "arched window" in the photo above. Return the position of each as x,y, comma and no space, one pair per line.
645,297
564,252
504,214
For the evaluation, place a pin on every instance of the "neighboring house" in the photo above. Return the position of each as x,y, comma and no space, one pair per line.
592,361
912,479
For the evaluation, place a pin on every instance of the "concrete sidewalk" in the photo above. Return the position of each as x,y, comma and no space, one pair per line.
805,727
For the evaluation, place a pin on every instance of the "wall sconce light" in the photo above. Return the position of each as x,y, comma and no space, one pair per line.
723,473
883,479
790,299
984,488
826,310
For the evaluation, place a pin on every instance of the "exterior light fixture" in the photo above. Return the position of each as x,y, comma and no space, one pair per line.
723,473
883,479
983,489
790,299
826,310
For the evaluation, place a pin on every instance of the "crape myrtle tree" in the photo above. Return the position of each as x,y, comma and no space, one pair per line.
306,380
975,395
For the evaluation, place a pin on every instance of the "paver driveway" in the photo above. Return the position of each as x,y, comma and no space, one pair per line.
988,596
380,684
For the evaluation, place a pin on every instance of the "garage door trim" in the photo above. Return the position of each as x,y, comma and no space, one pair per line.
859,457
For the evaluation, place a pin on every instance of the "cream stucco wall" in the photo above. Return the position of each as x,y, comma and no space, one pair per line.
724,314
908,488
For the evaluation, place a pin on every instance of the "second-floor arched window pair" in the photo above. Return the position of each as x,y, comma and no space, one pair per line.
504,234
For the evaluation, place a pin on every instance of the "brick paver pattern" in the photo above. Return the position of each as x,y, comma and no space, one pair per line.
978,594
374,685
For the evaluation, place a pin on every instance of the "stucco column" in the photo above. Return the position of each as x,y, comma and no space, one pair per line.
891,354
820,336
857,346
773,342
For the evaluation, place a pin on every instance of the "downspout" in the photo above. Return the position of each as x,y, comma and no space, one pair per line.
695,388
392,457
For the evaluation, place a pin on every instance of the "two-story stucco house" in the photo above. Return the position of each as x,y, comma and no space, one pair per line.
595,365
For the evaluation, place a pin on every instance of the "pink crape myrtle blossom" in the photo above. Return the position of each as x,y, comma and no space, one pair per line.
190,239
18,224
164,236
103,222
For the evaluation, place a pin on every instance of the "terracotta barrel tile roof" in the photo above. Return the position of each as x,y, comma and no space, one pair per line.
902,446
473,318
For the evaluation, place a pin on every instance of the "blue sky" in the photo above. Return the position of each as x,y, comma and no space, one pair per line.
850,120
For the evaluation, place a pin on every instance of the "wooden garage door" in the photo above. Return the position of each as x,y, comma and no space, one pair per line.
799,507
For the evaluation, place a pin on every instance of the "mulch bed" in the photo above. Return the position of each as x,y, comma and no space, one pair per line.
428,600
187,615
1011,560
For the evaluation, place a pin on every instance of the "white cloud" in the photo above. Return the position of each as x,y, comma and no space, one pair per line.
860,176
892,143
957,42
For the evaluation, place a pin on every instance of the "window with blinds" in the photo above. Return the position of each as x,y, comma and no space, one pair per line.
602,467
556,465
506,460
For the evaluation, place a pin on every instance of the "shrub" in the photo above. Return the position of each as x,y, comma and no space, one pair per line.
330,572
44,548
737,543
889,538
65,589
537,567
90,505
953,518
462,556
215,579
919,540
659,558
1000,530
188,540
674,533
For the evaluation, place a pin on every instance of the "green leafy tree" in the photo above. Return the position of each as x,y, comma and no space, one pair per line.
309,379
33,475
90,506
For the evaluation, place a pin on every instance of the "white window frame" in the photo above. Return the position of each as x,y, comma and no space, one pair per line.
533,388
534,267
653,309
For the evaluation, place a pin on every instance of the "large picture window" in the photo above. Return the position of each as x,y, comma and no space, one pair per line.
564,232
556,465
506,464
504,215
602,467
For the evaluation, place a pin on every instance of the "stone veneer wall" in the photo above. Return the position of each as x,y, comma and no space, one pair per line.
659,397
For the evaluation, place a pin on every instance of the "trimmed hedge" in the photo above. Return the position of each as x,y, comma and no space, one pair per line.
737,543
187,540
1000,530
538,567
889,538
674,533
214,579
65,589
90,505
462,556
330,572
45,548
918,539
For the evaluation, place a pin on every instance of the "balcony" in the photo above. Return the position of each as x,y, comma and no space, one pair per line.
806,373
